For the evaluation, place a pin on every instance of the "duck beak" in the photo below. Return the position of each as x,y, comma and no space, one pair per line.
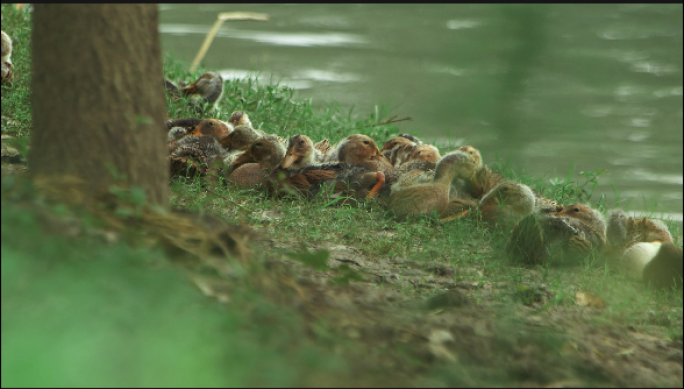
290,159
378,185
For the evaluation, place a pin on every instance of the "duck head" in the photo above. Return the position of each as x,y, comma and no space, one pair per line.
361,150
586,215
239,118
208,86
424,152
212,127
509,198
472,151
457,164
300,149
268,151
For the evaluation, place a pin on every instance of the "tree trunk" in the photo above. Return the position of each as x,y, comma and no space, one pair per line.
98,103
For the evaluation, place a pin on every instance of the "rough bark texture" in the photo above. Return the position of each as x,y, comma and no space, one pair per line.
98,97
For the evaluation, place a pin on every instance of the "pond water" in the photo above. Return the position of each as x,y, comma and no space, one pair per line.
548,88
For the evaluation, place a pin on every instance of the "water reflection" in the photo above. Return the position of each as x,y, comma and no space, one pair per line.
275,38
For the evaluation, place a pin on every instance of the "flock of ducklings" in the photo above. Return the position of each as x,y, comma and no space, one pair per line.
412,178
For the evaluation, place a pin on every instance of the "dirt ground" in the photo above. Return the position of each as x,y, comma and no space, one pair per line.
418,326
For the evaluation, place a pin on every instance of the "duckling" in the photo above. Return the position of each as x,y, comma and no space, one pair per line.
238,141
644,248
7,66
267,152
188,123
207,89
664,271
193,155
239,118
6,47
424,152
394,145
508,202
176,133
301,153
400,153
434,195
215,128
565,234
400,139
341,179
324,147
483,182
361,150
592,222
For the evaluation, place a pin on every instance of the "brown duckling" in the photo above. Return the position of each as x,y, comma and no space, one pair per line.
207,89
434,195
239,141
215,128
267,152
361,150
301,153
424,152
592,222
341,179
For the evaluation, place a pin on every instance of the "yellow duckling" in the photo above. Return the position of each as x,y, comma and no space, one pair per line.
433,196
644,248
508,202
301,153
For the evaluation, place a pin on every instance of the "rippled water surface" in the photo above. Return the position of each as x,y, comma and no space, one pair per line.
547,87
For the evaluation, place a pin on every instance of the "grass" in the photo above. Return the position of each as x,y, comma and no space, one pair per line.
81,310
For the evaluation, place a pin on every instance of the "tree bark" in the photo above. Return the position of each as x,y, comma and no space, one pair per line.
98,103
